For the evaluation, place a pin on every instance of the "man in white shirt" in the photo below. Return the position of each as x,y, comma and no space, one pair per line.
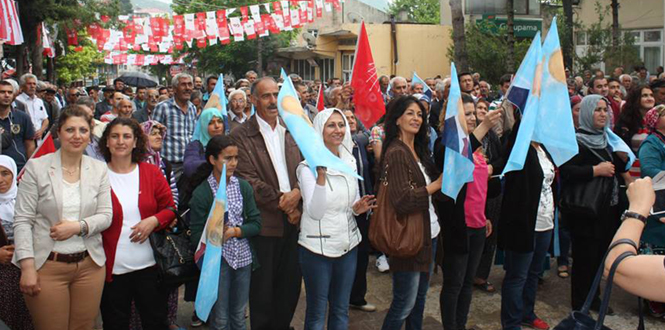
34,105
267,159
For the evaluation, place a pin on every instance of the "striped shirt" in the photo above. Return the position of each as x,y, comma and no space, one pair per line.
180,127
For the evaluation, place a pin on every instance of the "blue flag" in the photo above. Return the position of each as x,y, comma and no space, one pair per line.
310,143
618,145
218,97
426,90
526,90
458,162
554,126
208,253
523,80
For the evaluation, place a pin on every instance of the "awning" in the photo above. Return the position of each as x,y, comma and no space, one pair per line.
339,34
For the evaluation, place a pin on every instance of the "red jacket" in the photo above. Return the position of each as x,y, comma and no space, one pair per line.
154,199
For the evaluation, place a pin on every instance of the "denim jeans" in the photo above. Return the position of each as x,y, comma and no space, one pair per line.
232,298
518,294
409,295
327,280
459,270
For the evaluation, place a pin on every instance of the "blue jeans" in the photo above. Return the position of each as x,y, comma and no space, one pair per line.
327,280
232,298
518,294
409,295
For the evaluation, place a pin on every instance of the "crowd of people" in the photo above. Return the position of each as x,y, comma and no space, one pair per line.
75,230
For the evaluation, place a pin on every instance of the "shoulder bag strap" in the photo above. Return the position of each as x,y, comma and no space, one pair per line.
605,302
599,273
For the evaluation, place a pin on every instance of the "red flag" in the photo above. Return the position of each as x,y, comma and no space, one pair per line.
47,147
320,103
364,81
10,25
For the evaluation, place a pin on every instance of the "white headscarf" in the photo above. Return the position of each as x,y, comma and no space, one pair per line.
346,148
8,199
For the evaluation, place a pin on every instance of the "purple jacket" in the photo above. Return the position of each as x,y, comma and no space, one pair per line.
194,157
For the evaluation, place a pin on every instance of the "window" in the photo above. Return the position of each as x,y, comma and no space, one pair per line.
652,58
347,66
580,38
327,66
304,69
652,36
498,7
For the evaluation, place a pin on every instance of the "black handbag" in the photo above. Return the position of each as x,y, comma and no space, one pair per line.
588,199
174,254
582,320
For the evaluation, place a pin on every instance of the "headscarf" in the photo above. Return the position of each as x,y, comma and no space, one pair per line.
346,148
8,199
575,99
587,134
652,116
201,127
153,157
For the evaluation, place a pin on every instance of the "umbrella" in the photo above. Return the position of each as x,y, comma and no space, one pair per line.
137,79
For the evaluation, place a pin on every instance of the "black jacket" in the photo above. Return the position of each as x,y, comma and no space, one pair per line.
521,198
451,213
580,169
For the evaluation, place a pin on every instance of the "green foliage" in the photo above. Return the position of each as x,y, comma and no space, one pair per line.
78,65
487,52
419,11
235,57
126,7
600,48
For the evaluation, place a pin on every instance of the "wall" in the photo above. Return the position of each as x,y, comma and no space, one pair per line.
421,48
633,14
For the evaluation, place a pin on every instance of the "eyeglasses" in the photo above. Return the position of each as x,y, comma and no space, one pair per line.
240,101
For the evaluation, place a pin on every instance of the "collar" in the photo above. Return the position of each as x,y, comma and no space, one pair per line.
26,96
263,125
233,116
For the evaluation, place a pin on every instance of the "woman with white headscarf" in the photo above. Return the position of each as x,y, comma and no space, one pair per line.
13,310
328,230
595,162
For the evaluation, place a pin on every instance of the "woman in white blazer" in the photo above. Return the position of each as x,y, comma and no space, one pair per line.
63,204
328,230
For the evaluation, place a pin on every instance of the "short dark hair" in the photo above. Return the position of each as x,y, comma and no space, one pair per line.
298,85
612,79
73,110
6,83
92,88
116,80
138,153
128,89
210,78
593,79
505,79
459,76
163,88
140,88
466,98
657,84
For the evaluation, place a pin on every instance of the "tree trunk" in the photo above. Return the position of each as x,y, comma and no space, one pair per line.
458,36
50,69
259,58
36,50
568,49
510,12
615,24
20,60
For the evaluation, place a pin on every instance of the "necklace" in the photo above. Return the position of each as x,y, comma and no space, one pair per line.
70,172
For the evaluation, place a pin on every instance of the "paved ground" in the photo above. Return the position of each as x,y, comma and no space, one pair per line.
552,306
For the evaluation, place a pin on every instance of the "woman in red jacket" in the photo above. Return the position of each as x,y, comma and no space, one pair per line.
142,203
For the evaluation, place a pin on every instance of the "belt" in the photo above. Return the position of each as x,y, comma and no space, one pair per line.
68,258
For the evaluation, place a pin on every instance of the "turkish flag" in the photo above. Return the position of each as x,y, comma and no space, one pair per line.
47,147
365,83
320,103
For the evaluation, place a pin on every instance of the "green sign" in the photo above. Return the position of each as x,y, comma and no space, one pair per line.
524,28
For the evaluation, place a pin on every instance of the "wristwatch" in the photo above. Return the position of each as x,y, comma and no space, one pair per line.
633,215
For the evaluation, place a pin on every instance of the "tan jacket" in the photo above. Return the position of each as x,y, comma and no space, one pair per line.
39,206
255,166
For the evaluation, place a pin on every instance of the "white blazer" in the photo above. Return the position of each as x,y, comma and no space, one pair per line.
39,206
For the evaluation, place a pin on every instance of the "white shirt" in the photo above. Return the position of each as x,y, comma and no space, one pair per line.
433,219
71,209
545,220
129,256
35,108
237,118
274,139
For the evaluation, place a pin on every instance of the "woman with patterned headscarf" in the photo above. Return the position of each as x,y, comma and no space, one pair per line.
211,123
652,162
596,162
